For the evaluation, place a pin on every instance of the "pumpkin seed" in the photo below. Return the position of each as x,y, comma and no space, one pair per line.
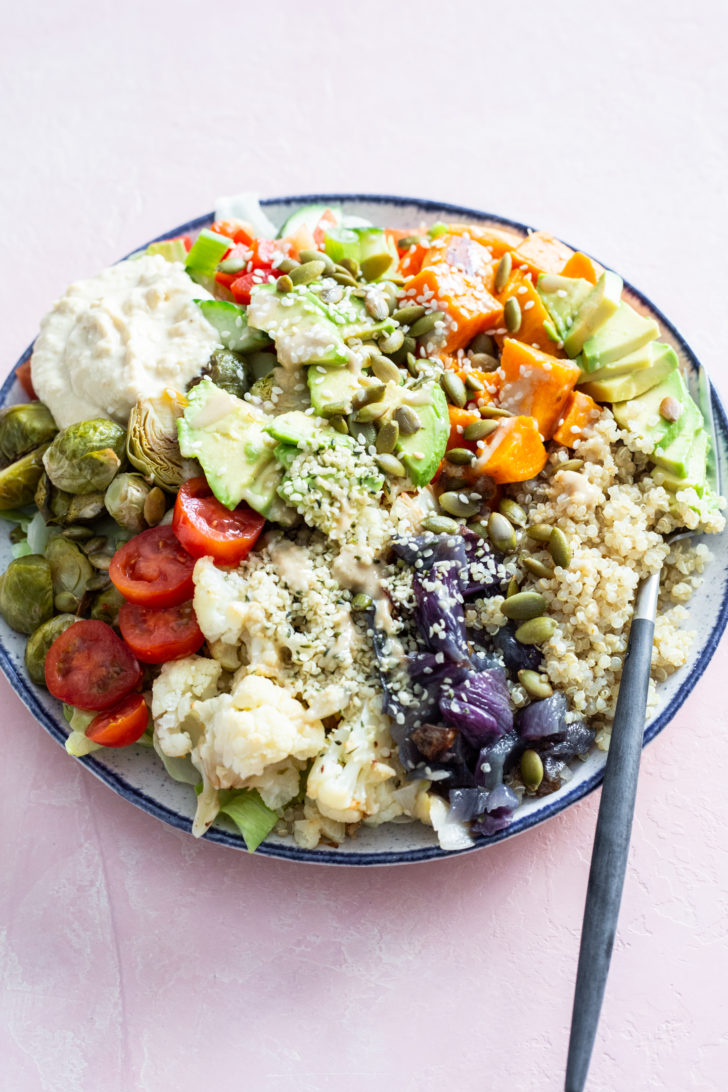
334,409
512,588
233,264
374,266
494,411
387,438
350,266
536,630
426,324
391,465
524,605
501,533
503,272
559,548
284,283
482,343
308,272
460,456
479,526
478,430
437,230
537,568
371,412
513,512
338,422
76,533
155,506
408,420
66,602
539,532
531,769
365,395
473,383
458,504
535,685
512,315
454,388
441,525
409,240
409,314
362,602
99,561
390,343
571,464
92,545
99,582
414,366
484,362
408,345
343,278
287,264
317,256
363,431
376,305
384,369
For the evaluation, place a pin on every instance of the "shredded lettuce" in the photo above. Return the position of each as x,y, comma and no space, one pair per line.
179,769
251,816
77,743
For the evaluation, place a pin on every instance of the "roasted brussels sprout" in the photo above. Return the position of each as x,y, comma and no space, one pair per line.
125,499
152,445
40,641
26,593
229,371
70,573
57,506
23,428
84,457
106,606
18,481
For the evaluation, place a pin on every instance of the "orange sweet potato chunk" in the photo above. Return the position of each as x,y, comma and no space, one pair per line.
579,411
581,265
542,253
514,453
497,240
533,313
536,384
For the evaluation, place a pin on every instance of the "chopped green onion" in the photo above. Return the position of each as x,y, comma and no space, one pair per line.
207,250
251,816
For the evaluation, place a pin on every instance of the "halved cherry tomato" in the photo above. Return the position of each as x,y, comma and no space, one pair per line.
89,666
207,528
122,725
156,636
153,569
22,374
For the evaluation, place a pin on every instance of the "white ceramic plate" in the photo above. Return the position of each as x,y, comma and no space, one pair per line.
137,774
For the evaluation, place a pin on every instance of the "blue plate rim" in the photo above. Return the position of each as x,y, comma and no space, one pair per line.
136,796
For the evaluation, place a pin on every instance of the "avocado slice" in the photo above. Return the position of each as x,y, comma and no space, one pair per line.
228,436
332,389
422,452
634,362
562,297
302,330
672,452
694,465
625,332
602,301
294,427
231,322
621,388
642,416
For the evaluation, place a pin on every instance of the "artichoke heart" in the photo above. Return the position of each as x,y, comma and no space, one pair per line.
85,457
152,446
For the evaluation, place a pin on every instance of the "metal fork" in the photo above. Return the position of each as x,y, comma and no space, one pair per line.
616,808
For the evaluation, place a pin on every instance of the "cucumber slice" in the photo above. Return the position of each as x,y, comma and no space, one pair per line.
231,322
308,216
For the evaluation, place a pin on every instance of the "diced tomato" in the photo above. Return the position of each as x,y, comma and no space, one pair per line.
157,636
153,569
205,527
328,220
89,666
122,725
236,230
242,285
22,374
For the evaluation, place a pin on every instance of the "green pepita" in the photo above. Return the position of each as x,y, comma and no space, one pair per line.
503,272
371,412
501,533
408,314
409,240
414,366
473,383
571,464
513,512
512,315
478,430
482,343
531,769
334,409
374,266
512,588
362,602
537,568
479,527
559,548
524,605
366,395
391,465
426,324
536,686
338,422
453,388
376,305
459,456
408,420
384,369
344,278
308,272
458,504
390,343
286,265
363,431
155,505
317,256
536,631
484,362
441,525
350,266
284,283
233,264
387,438
539,532
490,412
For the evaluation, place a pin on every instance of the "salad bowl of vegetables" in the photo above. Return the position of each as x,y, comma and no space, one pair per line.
325,522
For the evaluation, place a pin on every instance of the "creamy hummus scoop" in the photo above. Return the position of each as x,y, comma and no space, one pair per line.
130,331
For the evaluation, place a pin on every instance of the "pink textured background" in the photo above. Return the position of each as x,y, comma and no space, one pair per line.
133,957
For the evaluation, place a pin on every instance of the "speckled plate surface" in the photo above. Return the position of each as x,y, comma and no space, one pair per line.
137,774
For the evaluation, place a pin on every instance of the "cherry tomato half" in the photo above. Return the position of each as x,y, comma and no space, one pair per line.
153,569
22,374
207,528
89,666
156,636
122,725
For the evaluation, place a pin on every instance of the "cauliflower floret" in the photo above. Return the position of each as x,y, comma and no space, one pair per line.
256,726
348,779
309,831
277,784
177,689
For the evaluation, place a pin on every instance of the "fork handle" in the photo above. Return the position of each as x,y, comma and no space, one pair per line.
611,840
